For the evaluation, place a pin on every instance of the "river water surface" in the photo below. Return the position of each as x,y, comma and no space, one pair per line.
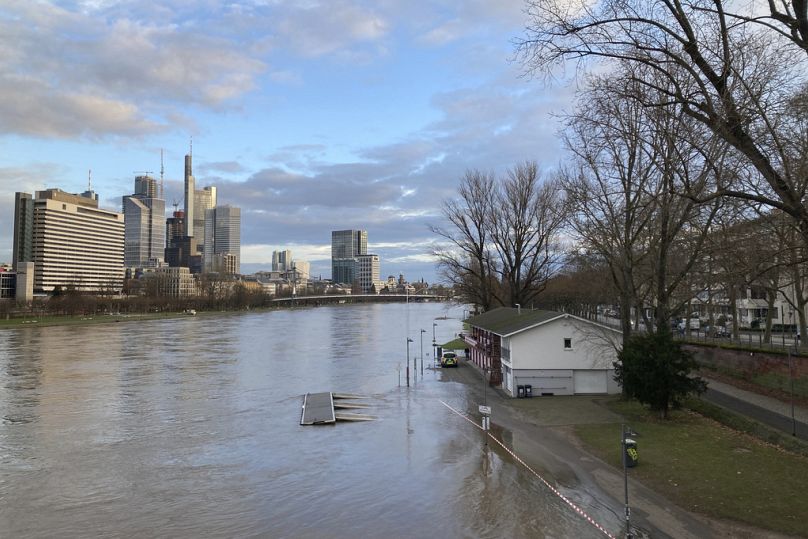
189,427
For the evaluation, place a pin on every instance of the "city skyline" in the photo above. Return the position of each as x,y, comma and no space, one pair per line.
309,119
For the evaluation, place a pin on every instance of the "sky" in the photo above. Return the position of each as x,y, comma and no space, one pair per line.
310,116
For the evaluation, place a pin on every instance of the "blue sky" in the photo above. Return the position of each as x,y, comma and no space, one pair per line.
310,115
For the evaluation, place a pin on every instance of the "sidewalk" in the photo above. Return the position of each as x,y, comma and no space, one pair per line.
768,410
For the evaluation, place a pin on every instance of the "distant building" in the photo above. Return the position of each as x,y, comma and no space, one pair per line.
222,237
204,200
367,272
23,244
346,246
281,260
145,225
8,284
302,270
174,282
73,242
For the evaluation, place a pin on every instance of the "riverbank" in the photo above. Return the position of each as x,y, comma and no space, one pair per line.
68,320
576,440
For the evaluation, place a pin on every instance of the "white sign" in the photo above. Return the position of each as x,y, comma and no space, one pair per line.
485,410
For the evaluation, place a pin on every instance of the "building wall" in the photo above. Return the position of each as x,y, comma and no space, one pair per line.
543,347
77,245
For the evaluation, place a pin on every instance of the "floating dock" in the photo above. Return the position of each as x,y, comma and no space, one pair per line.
319,409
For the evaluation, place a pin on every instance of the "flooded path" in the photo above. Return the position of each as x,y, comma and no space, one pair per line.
189,427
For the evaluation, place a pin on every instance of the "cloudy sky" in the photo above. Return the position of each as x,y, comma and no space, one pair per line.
310,115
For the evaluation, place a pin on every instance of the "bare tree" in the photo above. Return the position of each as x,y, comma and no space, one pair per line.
468,261
739,80
629,163
503,237
525,228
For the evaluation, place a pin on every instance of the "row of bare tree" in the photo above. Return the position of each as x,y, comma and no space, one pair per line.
688,168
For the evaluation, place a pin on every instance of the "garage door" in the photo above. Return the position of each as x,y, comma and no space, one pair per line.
590,382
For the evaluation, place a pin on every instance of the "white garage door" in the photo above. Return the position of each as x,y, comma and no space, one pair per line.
590,381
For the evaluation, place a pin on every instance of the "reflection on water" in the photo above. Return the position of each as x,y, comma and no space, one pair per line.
189,427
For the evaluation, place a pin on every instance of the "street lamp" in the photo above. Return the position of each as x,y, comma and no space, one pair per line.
626,432
408,361
422,352
434,343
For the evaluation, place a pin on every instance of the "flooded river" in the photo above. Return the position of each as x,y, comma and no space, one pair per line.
189,428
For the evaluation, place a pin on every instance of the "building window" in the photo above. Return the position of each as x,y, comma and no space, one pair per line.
567,343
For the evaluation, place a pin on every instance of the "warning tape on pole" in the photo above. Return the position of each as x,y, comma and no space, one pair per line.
554,490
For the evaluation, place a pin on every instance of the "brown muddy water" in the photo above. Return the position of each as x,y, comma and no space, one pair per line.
189,428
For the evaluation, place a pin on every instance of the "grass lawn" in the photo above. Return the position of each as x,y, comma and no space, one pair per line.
708,468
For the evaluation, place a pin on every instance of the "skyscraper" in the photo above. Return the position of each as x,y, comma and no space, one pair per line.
190,186
346,246
74,243
222,252
23,229
144,217
204,199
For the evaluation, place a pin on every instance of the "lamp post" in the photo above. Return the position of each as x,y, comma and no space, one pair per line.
791,376
623,434
434,342
408,361
422,352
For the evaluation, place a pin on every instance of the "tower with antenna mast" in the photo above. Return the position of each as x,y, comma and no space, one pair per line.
162,173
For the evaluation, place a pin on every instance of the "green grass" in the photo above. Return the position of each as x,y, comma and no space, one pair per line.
709,468
782,382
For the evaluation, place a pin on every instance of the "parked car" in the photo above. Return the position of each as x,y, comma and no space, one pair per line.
448,359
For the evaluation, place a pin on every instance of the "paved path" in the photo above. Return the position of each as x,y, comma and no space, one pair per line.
767,410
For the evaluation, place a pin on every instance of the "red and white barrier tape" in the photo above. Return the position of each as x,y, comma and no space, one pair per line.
555,491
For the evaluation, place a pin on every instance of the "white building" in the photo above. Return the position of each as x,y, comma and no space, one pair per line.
554,353
174,282
367,272
76,244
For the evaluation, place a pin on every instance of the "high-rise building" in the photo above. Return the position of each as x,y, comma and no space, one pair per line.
281,260
74,243
190,194
144,217
222,237
346,246
23,229
367,272
204,199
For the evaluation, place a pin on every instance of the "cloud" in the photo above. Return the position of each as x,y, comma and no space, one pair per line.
229,167
70,74
321,28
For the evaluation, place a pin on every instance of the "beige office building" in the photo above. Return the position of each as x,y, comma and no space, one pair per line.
367,272
76,244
